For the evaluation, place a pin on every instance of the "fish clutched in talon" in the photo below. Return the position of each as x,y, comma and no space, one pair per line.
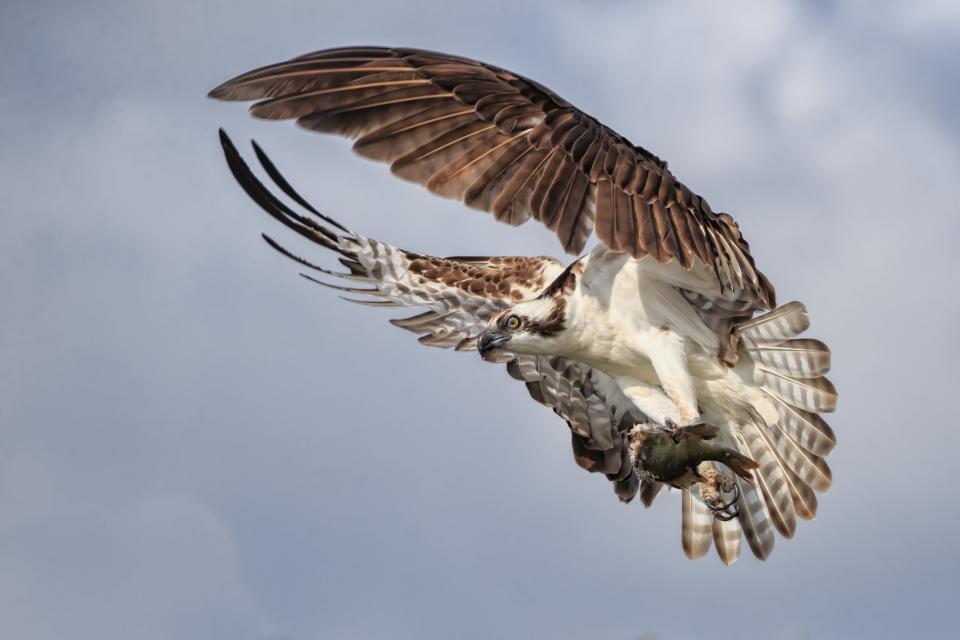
682,457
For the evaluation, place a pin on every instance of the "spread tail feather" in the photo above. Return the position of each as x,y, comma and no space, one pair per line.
804,358
754,520
772,480
778,449
790,370
696,531
726,538
775,327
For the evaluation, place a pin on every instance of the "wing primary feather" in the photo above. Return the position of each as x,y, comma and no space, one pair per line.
371,303
343,89
288,189
369,292
283,251
457,167
269,203
272,74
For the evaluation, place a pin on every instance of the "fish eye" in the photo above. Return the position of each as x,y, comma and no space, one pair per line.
512,323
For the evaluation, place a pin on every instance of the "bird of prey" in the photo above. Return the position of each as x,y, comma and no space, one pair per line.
662,347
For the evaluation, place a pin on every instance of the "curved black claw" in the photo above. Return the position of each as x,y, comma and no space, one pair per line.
733,501
728,511
726,516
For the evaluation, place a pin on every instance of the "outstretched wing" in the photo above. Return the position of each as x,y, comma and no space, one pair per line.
507,145
459,297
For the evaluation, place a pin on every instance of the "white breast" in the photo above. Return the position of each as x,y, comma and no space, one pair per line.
618,312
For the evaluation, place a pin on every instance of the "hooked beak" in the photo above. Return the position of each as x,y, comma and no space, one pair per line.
489,340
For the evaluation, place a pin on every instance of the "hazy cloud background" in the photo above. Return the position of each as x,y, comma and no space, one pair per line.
195,443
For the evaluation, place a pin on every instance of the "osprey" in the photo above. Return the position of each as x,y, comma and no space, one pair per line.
662,348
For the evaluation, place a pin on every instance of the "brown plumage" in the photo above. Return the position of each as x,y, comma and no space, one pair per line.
506,144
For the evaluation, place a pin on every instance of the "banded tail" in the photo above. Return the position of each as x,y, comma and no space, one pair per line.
786,435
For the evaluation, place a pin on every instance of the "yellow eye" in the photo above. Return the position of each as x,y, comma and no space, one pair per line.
512,323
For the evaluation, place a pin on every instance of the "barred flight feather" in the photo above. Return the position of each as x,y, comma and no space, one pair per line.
789,371
696,532
754,520
775,327
811,394
804,498
807,429
726,539
811,469
805,358
772,481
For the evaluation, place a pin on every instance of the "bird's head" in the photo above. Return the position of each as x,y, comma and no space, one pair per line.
533,326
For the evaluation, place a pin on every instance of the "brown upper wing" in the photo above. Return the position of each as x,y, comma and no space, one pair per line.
504,144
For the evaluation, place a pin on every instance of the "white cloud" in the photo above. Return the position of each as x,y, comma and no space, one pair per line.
921,19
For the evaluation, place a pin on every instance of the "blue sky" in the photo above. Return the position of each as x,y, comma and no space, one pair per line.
196,443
